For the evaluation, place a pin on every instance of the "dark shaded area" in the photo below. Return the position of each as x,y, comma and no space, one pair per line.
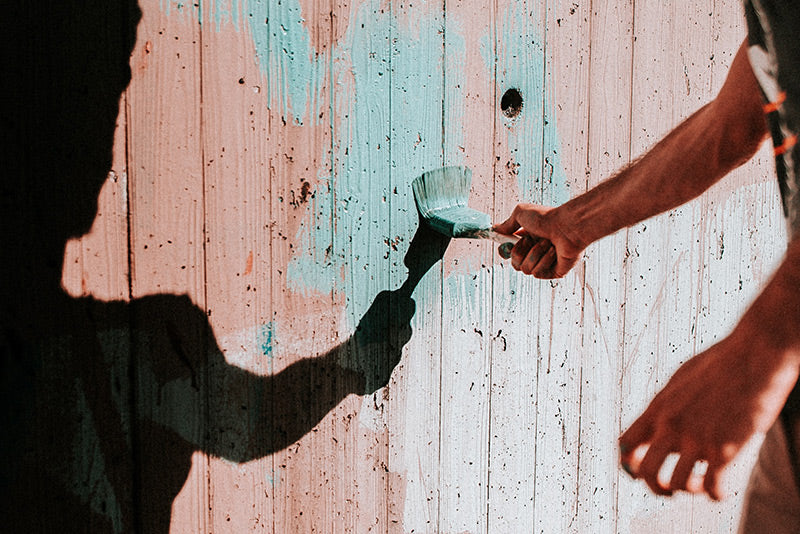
102,404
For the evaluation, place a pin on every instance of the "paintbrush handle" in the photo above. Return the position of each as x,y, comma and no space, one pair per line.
506,241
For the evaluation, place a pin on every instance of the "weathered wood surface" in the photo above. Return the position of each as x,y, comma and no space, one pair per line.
262,166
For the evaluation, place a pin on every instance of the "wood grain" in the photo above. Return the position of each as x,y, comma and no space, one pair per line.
260,200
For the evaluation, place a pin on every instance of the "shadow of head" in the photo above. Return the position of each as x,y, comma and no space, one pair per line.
65,65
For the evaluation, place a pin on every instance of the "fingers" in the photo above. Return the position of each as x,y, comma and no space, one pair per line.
682,473
637,435
687,474
712,482
521,250
544,267
651,465
534,256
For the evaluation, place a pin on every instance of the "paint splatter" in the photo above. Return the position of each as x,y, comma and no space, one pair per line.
248,268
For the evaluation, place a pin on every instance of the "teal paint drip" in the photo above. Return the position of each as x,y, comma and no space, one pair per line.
224,12
295,73
541,178
183,7
383,143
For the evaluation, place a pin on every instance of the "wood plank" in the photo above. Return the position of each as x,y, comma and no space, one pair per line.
414,395
661,250
608,88
167,219
468,106
518,62
529,149
237,152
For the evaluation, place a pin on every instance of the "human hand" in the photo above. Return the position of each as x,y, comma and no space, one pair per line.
545,251
707,412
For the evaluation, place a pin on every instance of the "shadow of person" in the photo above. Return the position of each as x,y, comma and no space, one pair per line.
102,404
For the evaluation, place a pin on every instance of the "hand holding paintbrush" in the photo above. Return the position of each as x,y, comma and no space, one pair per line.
546,251
534,245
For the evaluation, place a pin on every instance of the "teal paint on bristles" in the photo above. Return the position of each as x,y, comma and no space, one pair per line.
441,196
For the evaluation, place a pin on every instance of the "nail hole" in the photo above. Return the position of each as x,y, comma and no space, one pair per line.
511,103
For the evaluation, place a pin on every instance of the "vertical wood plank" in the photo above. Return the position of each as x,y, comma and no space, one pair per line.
518,64
363,197
467,124
237,152
661,256
608,86
529,149
167,219
414,423
311,485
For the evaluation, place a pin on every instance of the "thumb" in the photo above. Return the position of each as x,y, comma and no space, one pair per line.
508,227
523,216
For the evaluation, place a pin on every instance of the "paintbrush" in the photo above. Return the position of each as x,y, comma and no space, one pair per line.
441,197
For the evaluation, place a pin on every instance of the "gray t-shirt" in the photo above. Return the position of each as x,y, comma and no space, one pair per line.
774,53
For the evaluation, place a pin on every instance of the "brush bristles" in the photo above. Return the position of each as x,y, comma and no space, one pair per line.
441,197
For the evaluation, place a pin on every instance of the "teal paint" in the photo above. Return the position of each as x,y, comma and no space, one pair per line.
251,349
224,12
521,65
273,479
361,219
168,7
383,143
455,89
264,341
294,72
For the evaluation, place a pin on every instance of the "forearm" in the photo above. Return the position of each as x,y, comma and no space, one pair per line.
770,325
705,147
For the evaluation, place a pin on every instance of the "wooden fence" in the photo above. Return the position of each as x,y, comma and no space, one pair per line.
255,234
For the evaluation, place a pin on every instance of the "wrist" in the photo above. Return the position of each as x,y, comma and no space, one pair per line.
768,338
570,221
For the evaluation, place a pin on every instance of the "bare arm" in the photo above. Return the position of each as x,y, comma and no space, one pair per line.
719,399
705,147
